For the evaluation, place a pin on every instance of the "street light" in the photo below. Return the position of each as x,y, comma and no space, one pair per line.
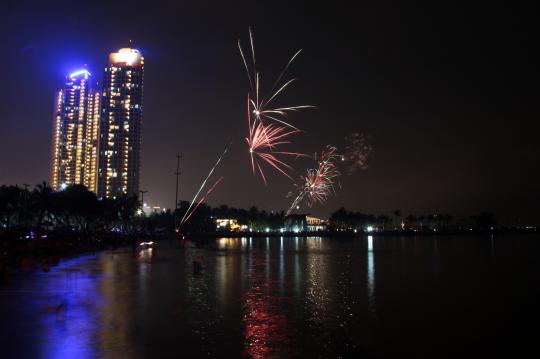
142,199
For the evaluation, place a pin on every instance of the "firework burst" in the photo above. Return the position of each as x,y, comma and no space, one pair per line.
263,141
318,183
261,106
267,128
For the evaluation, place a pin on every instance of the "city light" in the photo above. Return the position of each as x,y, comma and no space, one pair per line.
126,56
119,150
75,133
86,73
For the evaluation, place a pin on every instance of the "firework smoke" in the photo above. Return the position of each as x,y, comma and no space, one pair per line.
357,151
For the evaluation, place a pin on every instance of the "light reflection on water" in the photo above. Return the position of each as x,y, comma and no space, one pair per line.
269,297
371,275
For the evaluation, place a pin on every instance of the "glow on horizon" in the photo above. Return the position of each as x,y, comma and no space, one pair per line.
84,72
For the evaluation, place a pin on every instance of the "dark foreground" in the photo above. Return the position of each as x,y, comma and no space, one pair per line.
291,297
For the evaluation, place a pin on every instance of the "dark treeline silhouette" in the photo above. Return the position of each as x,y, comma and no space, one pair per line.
204,218
39,226
75,208
343,219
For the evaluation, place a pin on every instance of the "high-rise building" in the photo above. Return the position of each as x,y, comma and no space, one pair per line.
75,141
120,124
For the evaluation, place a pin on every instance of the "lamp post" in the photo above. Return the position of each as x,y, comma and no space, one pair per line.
142,199
177,173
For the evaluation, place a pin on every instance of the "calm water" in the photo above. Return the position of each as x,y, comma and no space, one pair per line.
280,298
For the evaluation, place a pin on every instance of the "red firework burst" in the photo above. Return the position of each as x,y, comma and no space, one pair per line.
318,183
263,142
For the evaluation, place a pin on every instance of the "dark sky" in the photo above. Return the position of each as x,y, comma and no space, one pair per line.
449,94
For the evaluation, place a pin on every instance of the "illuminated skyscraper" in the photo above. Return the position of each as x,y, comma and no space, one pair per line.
75,129
120,124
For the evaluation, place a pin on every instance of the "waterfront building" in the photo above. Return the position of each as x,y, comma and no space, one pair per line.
120,124
304,223
75,133
229,224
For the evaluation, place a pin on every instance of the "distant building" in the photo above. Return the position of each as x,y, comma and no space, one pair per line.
149,210
315,224
229,224
304,223
75,133
120,124
97,133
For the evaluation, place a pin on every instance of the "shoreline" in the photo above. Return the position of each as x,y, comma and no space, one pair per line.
349,234
37,253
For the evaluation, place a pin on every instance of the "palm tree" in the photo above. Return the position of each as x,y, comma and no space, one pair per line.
78,205
41,201
447,218
253,216
397,215
10,204
433,220
223,211
422,219
410,220
383,220
339,219
108,213
127,207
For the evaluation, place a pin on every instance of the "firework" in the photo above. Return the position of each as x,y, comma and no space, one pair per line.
263,141
318,183
201,201
260,106
267,129
357,152
189,212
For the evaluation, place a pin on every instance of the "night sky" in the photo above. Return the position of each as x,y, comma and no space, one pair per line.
449,94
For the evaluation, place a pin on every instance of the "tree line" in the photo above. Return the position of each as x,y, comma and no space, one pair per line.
342,219
73,208
76,208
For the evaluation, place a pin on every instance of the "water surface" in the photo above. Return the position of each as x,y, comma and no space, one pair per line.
281,298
